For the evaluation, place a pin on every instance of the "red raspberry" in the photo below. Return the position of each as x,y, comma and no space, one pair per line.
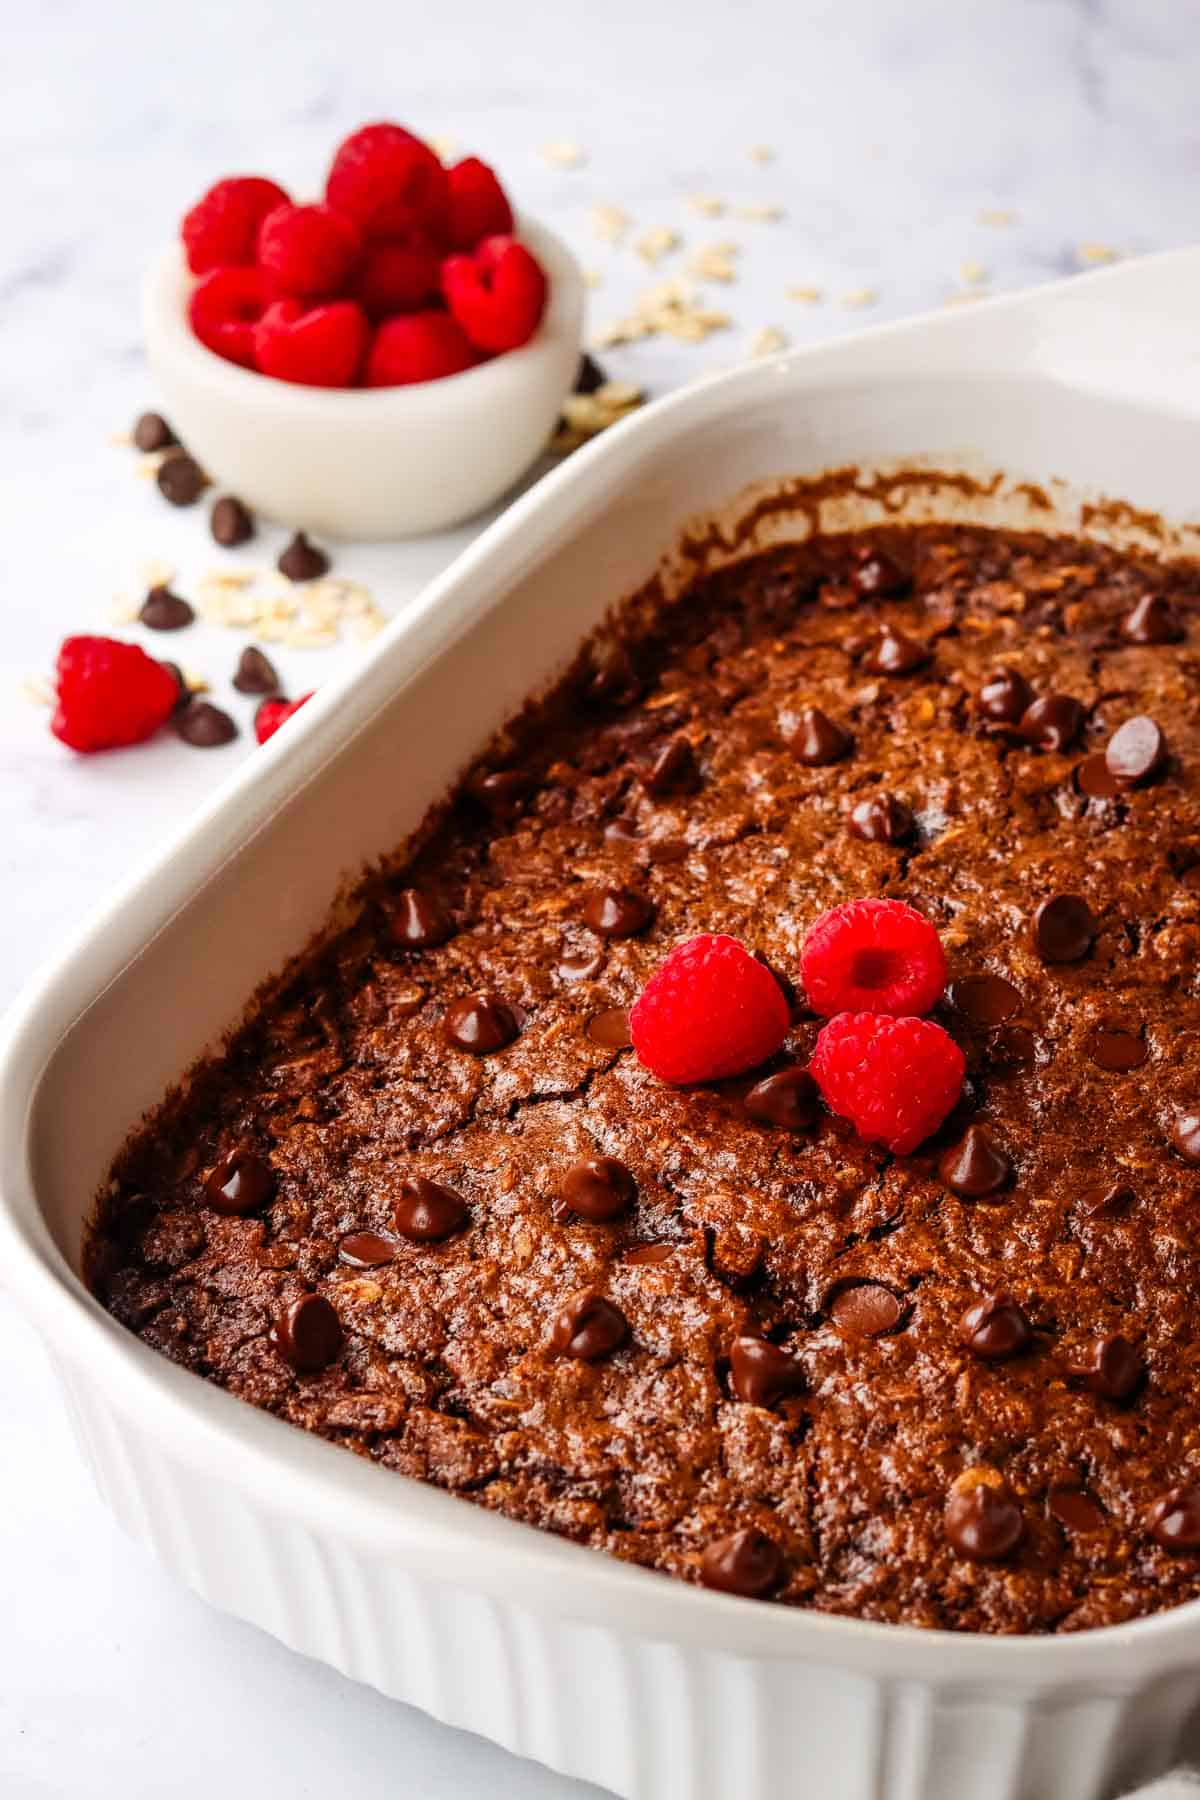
497,295
221,230
894,1079
710,1010
479,206
872,956
274,713
319,346
389,182
398,276
224,309
420,346
109,694
308,251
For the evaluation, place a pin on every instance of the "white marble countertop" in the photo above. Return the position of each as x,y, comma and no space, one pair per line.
896,126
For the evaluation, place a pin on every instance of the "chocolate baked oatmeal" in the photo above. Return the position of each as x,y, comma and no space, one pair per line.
429,1204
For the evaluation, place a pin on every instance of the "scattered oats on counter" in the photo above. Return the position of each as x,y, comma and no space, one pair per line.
38,692
761,153
707,205
996,215
767,210
807,296
561,153
592,278
443,147
150,462
670,308
972,272
767,341
156,573
657,242
860,297
714,262
610,223
1098,253
965,296
584,416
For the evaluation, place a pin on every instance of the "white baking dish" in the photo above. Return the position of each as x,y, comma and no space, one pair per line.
649,1687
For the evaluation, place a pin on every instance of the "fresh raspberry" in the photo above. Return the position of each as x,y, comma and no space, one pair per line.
710,1010
894,1079
224,309
497,295
274,713
109,694
319,346
872,956
421,346
389,182
399,275
308,251
479,206
221,230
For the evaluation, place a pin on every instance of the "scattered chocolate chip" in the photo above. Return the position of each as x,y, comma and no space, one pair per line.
746,1563
1105,1202
302,561
308,1334
427,1212
1116,1051
1064,929
1109,1367
205,726
817,740
1136,752
1052,723
480,1024
894,653
162,610
985,1000
883,819
184,692
367,1250
180,479
610,1029
1185,1136
974,1167
1174,1519
864,1309
983,1523
649,1253
151,432
255,673
584,965
1094,779
673,771
761,1373
240,1183
1152,621
589,376
662,852
503,792
876,574
598,1189
1005,697
1010,1050
617,912
613,680
995,1328
588,1328
418,921
230,522
788,1098
1075,1509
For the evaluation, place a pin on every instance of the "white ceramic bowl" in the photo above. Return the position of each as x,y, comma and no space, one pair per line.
650,1687
358,462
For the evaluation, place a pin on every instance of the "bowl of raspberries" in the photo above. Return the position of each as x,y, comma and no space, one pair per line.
383,361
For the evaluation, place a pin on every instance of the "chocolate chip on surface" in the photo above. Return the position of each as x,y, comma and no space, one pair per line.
1109,1366
617,912
985,1000
883,819
746,1563
230,522
308,1334
426,1212
789,1098
761,1374
480,1024
151,432
598,1189
367,1250
610,1029
983,1523
1064,929
974,1167
1116,1051
1173,1520
995,1328
302,561
240,1183
1152,621
180,479
673,771
162,610
1052,723
255,673
1005,697
894,653
817,740
418,920
864,1309
204,726
1136,752
588,1328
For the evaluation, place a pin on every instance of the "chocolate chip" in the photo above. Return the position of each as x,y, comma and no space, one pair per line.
589,376
894,653
1010,1050
1105,1202
610,1029
503,792
621,831
427,1212
817,740
151,432
1075,1509
480,1024
599,1189
974,1167
746,1563
230,522
1005,697
1110,1367
735,1254
1185,1136
1052,723
617,912
1094,779
665,851
995,1328
162,610
1116,1051
761,1373
787,1098
1152,621
240,1183
1174,1519
308,1334
255,673
673,771
1136,752
864,1309
584,965
983,1523
302,561
876,574
418,921
589,1327
204,726
883,819
367,1250
180,479
649,1253
183,694
985,1000
613,680
1064,929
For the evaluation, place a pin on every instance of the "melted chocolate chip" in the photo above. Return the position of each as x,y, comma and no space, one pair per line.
1010,1050
995,1328
1109,1367
1005,697
985,1000
974,1167
308,1334
151,432
599,1189
864,1309
589,1327
255,673
673,771
230,522
240,1183
480,1024
983,1523
876,574
302,561
1185,1136
610,1029
894,653
203,726
817,741
649,1253
746,1563
1094,779
1152,621
162,610
1075,1509
585,965
418,921
1064,929
180,479
1174,1519
367,1250
1136,752
788,1098
1052,723
883,819
617,912
426,1212
1116,1051
1105,1202
761,1373
503,792
665,851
